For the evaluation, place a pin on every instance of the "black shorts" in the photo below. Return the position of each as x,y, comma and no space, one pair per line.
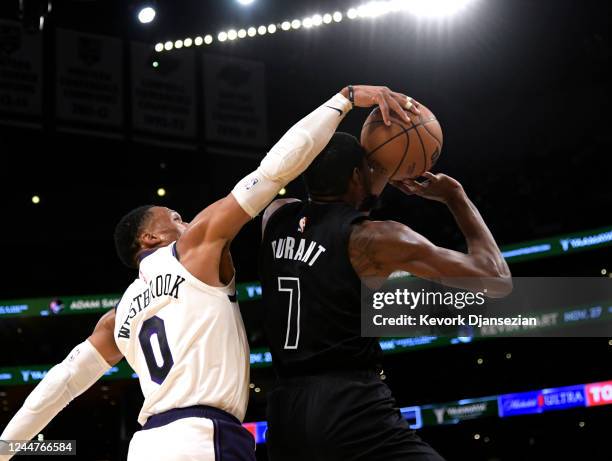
340,417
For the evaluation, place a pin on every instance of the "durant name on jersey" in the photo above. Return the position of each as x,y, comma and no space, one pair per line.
305,251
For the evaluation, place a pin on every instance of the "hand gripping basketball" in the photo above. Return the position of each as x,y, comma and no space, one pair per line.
387,100
439,187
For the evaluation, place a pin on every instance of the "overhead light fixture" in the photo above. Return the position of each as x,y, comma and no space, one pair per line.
146,15
435,8
372,9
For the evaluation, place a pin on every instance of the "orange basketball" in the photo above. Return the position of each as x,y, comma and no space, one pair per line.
403,150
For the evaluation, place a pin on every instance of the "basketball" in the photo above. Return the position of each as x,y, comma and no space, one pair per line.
403,150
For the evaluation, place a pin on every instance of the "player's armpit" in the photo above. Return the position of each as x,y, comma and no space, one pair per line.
204,247
378,248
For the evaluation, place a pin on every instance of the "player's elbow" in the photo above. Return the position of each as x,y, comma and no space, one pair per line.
499,287
497,278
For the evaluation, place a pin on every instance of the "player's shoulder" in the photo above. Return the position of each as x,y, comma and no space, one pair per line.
376,229
273,208
374,247
126,298
378,236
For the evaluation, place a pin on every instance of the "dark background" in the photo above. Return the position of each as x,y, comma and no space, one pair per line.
522,90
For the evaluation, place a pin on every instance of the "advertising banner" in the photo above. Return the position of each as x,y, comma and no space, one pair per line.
522,403
599,393
455,412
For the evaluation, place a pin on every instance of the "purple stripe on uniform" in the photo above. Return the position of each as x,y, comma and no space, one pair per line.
216,440
232,441
196,411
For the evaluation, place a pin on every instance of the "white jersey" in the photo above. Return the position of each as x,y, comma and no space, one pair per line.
184,338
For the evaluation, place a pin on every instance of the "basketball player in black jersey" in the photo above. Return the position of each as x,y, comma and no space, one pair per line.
329,403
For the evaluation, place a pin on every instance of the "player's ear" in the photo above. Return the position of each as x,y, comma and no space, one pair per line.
357,176
149,240
354,180
362,177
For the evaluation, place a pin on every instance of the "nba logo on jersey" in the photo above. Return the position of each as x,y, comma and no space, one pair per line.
303,222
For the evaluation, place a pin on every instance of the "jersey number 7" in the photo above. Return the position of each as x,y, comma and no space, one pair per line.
292,286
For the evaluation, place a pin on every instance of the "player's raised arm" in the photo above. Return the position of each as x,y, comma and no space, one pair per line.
289,157
85,364
378,248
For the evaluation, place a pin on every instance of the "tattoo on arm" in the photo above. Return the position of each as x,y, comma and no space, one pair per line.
362,251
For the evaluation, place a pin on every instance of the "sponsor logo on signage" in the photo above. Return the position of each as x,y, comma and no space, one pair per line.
599,393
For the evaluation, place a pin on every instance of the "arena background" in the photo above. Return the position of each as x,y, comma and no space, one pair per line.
522,90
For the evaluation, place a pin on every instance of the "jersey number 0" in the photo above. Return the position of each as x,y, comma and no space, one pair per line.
158,369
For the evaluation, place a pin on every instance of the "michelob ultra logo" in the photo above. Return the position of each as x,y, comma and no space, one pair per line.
599,393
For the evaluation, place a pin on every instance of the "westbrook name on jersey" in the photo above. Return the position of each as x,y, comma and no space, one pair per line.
163,285
185,339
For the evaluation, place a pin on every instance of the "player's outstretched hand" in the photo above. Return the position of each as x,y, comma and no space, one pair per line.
439,187
388,101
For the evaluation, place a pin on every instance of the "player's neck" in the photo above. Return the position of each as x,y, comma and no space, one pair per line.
332,199
142,254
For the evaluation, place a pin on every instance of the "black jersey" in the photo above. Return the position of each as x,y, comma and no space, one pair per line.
311,291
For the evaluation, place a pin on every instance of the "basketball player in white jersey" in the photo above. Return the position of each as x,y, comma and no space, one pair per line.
178,324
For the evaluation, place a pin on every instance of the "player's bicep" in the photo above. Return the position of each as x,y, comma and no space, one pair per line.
432,262
389,246
218,222
458,270
417,255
